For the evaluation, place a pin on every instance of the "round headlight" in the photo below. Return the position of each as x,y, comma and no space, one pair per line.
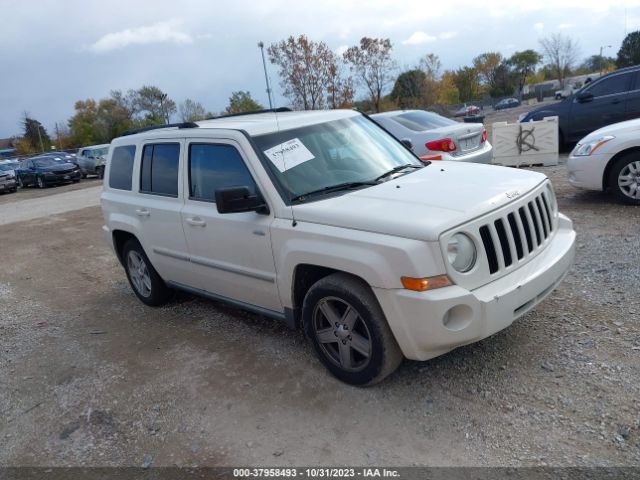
461,252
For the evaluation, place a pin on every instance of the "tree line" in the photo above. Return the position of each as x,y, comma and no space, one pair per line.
99,121
312,76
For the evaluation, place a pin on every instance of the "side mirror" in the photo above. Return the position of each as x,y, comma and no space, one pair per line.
407,143
239,199
584,97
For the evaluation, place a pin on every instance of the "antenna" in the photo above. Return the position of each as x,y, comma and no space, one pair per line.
284,164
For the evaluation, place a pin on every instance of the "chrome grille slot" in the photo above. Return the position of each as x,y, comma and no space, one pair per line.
515,236
515,232
504,242
536,223
527,229
489,249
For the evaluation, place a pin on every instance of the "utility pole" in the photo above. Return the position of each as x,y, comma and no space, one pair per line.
38,126
266,77
600,57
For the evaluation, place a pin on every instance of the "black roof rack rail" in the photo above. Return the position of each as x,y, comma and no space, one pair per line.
267,110
133,131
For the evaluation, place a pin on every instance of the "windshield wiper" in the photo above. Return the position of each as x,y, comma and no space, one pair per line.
397,169
334,188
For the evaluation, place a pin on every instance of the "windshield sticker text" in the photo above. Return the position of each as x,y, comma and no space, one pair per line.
289,154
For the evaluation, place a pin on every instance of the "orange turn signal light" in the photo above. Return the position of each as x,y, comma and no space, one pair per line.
430,157
427,283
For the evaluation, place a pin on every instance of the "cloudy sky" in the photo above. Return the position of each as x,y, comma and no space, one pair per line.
56,52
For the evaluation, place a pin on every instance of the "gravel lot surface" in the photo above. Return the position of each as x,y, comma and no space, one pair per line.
90,376
39,206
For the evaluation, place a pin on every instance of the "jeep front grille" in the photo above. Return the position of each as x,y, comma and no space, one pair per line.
518,234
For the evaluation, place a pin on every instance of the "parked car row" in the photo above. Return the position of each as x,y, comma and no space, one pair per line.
53,168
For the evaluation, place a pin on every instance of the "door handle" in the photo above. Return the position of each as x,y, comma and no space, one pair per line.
616,101
195,221
142,212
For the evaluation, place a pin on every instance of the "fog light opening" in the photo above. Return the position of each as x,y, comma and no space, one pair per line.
457,318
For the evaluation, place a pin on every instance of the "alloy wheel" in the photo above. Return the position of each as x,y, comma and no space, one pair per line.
629,180
342,334
139,273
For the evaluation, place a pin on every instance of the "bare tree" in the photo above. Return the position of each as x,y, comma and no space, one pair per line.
373,66
561,52
305,68
191,111
430,64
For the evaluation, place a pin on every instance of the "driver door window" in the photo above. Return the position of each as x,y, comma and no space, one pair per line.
213,166
611,86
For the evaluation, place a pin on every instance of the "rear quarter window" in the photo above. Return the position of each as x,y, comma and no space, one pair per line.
121,168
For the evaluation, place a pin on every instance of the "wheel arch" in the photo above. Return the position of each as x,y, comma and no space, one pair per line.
120,238
611,163
305,275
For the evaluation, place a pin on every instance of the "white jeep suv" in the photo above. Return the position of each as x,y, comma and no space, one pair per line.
325,221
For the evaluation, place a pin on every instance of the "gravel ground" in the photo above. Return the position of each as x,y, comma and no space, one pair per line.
33,192
91,377
43,206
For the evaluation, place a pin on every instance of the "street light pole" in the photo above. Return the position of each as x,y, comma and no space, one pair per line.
266,77
600,57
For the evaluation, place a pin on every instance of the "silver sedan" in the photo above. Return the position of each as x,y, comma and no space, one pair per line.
434,137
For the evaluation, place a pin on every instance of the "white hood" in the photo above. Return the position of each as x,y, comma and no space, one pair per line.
617,129
423,204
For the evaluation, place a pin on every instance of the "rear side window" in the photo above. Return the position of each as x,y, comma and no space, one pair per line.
611,85
420,121
216,166
122,167
159,169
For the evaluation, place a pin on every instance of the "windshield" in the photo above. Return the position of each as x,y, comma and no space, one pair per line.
45,162
420,121
99,152
349,150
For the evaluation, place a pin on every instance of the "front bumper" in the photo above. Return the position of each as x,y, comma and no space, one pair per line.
588,172
8,184
65,178
428,324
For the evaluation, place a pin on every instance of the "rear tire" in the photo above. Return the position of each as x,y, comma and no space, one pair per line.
41,183
143,278
349,331
624,179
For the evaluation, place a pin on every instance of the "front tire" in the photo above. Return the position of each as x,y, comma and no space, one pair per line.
21,184
143,278
41,183
349,331
100,172
624,179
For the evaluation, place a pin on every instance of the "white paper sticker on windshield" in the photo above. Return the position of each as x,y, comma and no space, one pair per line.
294,152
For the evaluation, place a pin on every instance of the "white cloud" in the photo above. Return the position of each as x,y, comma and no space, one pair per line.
341,49
161,32
418,38
564,26
496,12
538,26
447,35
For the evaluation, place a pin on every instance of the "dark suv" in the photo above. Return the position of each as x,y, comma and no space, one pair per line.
610,99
